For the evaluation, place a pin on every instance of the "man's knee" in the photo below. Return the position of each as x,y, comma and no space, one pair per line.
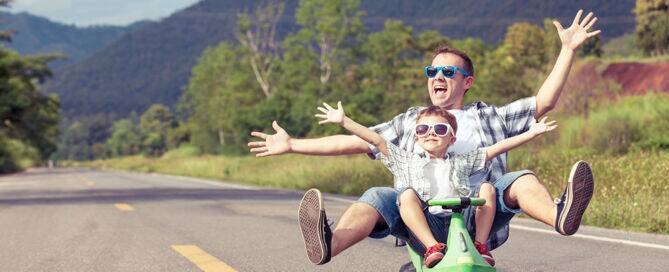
364,210
372,201
525,184
408,195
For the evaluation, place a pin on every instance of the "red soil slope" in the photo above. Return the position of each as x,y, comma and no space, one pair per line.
639,78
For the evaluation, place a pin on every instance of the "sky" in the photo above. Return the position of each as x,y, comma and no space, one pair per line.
100,12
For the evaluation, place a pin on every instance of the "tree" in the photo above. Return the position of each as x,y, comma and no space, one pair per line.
257,34
524,44
513,69
125,140
652,26
389,61
155,123
329,24
26,113
218,96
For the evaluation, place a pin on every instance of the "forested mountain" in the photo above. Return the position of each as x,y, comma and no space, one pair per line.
152,64
37,35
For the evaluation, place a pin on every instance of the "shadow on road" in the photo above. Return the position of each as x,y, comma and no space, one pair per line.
55,197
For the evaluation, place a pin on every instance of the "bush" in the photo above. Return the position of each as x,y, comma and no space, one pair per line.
16,155
632,123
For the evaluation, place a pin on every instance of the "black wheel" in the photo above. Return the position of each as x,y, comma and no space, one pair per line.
407,267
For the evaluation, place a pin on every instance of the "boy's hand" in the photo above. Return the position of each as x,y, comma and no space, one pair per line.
542,127
576,34
335,116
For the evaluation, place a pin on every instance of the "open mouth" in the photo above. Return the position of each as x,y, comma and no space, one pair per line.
438,89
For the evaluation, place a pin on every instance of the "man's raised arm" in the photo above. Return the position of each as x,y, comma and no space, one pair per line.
281,143
571,39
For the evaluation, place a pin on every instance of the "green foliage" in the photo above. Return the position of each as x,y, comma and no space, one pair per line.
633,123
26,114
524,45
80,135
218,95
652,26
155,124
592,47
125,140
328,25
623,46
178,135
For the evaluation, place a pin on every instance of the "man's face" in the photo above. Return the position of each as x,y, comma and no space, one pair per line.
448,92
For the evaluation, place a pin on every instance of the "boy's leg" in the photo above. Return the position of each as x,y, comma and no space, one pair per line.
486,213
411,211
484,216
425,233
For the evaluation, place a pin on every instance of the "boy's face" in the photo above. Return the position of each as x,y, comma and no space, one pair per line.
448,92
430,142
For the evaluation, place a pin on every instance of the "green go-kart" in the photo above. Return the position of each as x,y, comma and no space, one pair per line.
461,255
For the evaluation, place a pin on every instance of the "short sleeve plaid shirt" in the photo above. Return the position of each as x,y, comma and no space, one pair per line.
408,170
496,124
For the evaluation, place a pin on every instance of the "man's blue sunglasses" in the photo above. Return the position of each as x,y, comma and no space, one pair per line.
447,71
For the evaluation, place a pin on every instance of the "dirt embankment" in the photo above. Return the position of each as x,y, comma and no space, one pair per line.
639,78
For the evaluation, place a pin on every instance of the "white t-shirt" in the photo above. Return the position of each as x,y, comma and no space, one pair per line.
467,139
437,171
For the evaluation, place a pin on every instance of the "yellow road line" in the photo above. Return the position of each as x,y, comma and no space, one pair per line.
88,181
124,207
202,259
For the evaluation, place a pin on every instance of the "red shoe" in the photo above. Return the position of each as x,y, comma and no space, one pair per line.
483,250
434,254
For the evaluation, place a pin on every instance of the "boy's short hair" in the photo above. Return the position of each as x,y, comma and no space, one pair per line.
444,49
437,111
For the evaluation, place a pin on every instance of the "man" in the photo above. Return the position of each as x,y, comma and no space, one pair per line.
376,214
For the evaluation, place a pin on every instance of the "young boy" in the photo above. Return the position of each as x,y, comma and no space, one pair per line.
435,174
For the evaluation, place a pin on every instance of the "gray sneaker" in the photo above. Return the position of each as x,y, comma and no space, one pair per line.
575,199
315,230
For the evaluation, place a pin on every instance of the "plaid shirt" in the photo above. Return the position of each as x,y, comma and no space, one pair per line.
495,124
408,170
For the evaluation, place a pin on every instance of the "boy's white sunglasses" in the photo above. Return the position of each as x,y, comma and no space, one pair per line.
440,129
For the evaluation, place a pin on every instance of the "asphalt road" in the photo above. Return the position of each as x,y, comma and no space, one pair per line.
81,220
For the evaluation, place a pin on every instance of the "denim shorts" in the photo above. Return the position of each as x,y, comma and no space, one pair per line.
385,201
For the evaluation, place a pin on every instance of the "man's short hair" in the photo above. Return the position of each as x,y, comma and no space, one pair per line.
438,111
443,49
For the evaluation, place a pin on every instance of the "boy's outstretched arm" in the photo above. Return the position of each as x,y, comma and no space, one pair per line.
337,116
571,39
507,144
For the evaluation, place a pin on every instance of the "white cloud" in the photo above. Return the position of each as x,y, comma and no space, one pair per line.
96,12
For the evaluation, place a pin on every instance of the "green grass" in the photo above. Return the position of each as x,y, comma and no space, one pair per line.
630,190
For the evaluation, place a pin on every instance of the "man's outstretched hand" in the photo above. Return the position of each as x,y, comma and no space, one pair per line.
275,144
577,33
